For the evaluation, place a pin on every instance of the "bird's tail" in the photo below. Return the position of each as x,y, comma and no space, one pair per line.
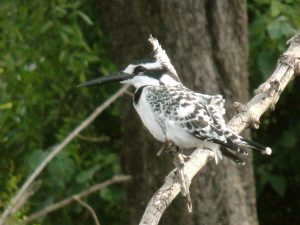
239,142
236,145
232,156
231,151
255,146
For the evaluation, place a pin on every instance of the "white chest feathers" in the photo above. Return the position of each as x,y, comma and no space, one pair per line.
147,115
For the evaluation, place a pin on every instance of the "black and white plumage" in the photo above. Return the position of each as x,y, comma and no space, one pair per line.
174,113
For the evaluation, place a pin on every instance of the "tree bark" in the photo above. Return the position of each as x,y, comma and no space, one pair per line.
207,43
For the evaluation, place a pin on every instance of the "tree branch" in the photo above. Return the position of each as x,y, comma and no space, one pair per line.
89,208
15,205
69,200
266,96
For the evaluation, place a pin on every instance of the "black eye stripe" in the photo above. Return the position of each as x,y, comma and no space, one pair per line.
139,69
154,72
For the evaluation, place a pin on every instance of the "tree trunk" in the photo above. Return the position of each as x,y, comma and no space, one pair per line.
207,43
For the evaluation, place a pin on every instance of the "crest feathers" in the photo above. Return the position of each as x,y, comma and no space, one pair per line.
160,55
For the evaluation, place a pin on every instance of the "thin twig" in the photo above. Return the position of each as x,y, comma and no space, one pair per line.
34,186
93,139
69,200
90,209
14,204
266,97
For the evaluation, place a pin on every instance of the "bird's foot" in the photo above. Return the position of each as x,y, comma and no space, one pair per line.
186,157
175,151
167,147
184,181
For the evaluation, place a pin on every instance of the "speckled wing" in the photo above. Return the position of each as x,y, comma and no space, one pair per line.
215,105
182,106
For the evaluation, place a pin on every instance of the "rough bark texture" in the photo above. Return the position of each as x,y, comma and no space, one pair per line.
207,43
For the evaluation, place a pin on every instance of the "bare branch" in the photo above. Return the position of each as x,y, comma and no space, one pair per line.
15,202
265,97
172,187
297,67
69,200
89,208
268,93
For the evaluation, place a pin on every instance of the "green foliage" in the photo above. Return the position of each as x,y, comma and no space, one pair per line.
47,48
271,24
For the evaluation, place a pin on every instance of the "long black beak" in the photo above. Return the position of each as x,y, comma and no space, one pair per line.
115,77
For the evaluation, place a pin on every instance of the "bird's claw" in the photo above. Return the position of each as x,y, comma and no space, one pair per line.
179,161
168,146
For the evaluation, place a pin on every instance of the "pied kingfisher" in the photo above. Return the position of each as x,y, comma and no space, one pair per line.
175,114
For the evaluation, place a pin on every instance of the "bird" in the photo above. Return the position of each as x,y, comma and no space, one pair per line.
176,115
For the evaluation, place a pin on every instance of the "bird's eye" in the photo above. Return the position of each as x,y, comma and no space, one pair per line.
139,69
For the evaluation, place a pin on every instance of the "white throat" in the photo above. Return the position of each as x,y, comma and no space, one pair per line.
168,80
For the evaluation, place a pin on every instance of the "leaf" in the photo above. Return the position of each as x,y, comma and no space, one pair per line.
275,8
280,27
7,105
61,169
85,18
288,140
106,193
35,158
60,11
278,183
62,56
64,37
87,175
266,62
46,26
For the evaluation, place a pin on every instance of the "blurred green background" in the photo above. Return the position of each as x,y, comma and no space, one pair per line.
48,47
271,24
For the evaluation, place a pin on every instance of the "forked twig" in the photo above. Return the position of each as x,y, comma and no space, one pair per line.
89,208
15,205
69,200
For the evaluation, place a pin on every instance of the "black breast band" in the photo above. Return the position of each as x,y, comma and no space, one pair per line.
138,94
